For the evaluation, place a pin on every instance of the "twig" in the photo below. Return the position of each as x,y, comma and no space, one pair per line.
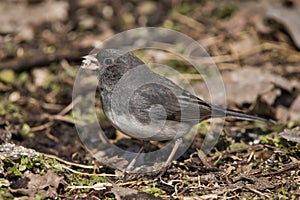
62,118
41,127
192,23
46,105
84,173
193,76
138,182
69,107
50,136
40,59
203,158
69,163
97,186
257,192
287,167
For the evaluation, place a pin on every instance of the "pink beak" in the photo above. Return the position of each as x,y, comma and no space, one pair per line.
90,62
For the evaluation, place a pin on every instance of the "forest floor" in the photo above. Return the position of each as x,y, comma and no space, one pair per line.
255,45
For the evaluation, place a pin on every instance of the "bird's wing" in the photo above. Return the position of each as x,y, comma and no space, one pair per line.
155,101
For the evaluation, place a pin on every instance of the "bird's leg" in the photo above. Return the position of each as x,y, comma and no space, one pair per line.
174,150
132,163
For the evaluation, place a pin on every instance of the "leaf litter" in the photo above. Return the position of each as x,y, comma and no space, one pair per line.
255,46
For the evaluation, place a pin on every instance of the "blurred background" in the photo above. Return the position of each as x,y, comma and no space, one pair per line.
255,44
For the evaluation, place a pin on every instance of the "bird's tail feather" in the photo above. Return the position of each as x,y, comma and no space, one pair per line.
221,112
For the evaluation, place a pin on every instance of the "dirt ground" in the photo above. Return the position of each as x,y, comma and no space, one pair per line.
255,45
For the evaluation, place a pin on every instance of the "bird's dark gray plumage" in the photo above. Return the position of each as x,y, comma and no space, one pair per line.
158,110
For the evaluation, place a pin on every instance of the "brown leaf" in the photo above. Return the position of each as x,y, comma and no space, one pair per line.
14,17
246,84
259,88
291,134
288,16
277,10
45,185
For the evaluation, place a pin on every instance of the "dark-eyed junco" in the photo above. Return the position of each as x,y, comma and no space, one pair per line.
145,105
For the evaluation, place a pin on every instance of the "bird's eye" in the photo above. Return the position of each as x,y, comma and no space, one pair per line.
108,61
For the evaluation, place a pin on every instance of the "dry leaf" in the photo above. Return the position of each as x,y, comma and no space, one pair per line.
14,17
246,84
36,184
288,17
291,134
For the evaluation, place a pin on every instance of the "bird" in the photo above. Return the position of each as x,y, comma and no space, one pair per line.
145,105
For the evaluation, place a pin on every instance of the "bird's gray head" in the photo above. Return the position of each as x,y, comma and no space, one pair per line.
108,57
102,59
110,66
105,58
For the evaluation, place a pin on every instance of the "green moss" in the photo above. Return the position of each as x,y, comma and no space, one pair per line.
26,131
239,145
51,83
272,139
7,107
40,197
173,25
7,76
184,8
152,189
291,125
283,193
203,127
226,11
87,116
181,66
37,164
6,194
23,77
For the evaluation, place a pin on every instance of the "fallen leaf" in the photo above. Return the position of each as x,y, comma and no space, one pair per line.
260,12
40,76
246,84
45,185
288,17
14,17
291,134
256,87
